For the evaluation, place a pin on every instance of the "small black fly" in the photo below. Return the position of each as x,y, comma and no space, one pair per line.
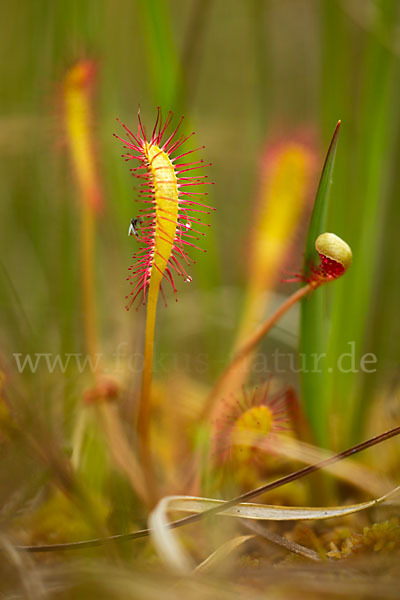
134,226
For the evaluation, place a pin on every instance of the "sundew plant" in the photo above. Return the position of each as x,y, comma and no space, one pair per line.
199,387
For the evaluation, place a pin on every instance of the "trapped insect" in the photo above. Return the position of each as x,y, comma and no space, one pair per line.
134,225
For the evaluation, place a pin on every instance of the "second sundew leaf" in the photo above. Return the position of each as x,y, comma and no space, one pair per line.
313,326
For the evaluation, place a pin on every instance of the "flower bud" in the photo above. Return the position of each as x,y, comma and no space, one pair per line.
333,247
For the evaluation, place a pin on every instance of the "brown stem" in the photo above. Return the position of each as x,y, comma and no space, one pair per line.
144,414
251,343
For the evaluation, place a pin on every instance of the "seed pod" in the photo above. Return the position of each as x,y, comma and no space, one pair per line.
335,254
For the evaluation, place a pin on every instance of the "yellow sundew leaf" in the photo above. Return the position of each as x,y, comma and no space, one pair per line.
166,206
77,92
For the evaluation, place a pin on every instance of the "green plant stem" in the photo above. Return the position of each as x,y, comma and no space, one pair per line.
313,318
144,414
347,394
162,55
191,53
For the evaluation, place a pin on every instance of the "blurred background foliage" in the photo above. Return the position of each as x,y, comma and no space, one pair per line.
242,73
246,74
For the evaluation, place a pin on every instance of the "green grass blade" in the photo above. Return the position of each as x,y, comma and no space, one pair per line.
354,297
319,214
162,52
313,330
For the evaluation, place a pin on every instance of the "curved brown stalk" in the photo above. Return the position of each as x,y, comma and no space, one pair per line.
194,518
251,343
